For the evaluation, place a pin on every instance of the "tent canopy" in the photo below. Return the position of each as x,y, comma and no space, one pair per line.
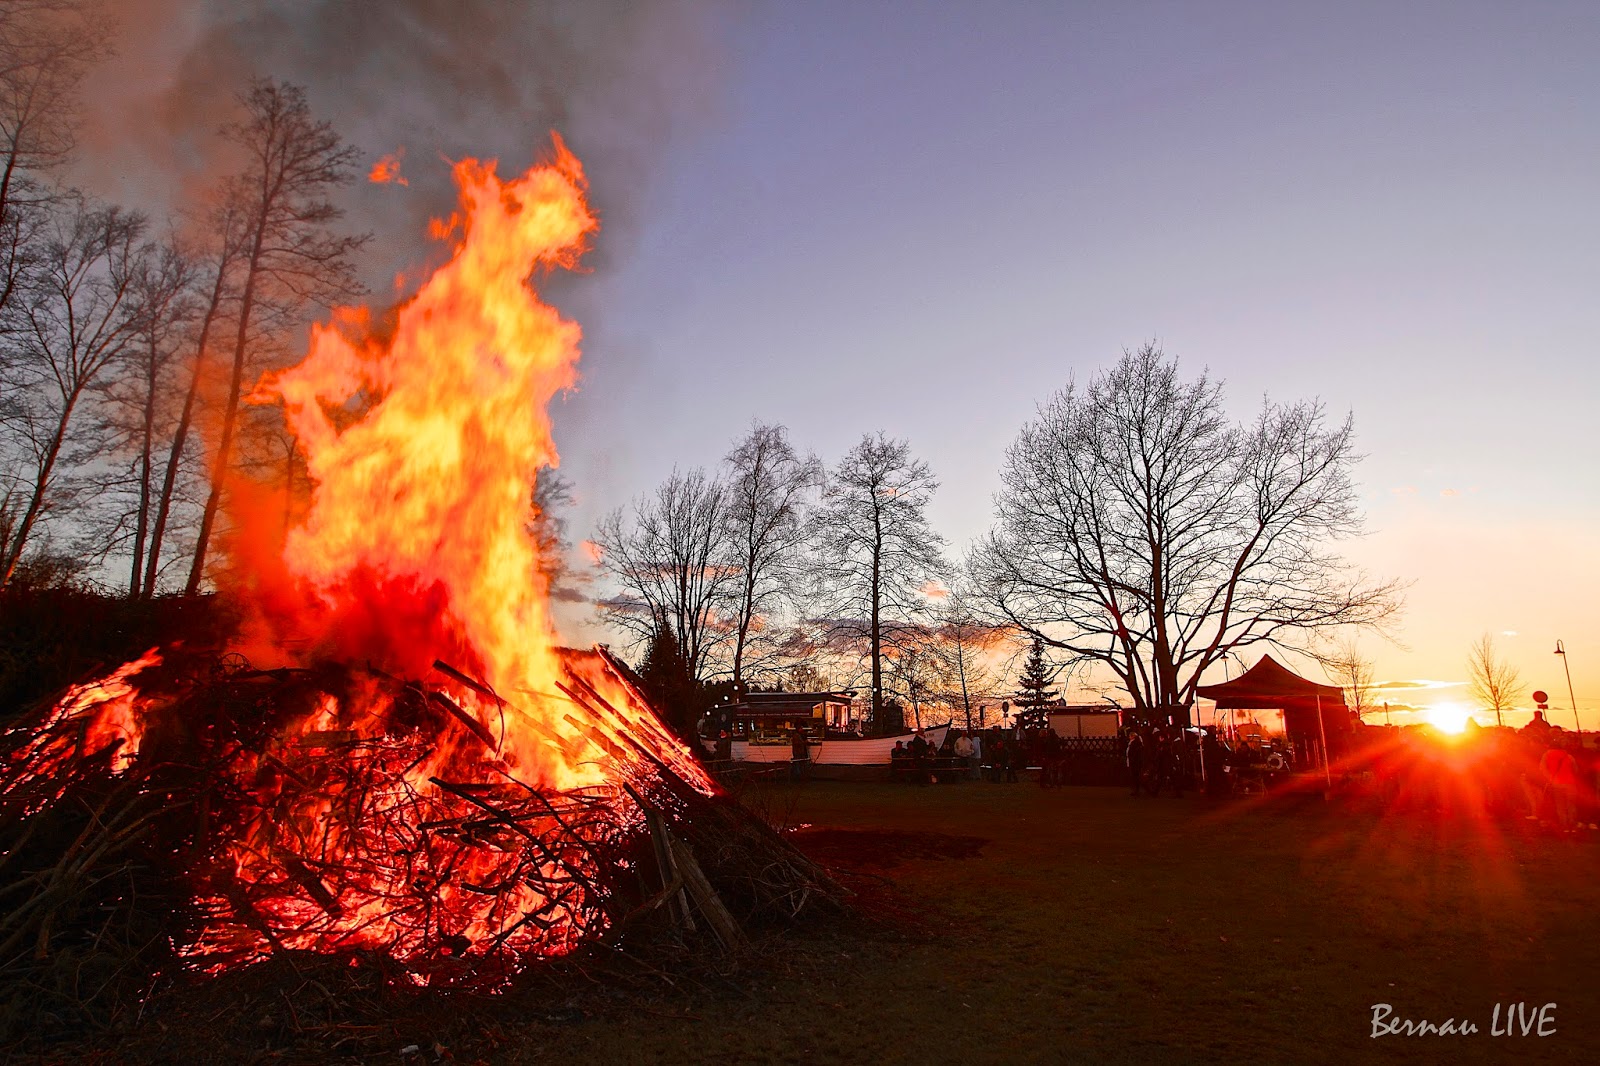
1268,684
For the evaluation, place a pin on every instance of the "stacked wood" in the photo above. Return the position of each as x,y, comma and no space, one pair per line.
225,839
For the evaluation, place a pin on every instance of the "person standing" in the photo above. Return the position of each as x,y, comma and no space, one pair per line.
920,757
964,752
1560,771
1135,757
1212,762
1159,762
799,754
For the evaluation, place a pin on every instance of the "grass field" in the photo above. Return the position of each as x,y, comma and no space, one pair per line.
1084,925
1002,923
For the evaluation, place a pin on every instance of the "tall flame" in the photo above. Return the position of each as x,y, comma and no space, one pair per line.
416,545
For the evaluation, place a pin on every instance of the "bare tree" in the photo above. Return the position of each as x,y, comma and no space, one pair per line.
224,236
45,48
670,558
1352,671
1495,682
769,488
877,555
915,670
289,257
547,524
807,676
162,289
1140,529
74,320
971,648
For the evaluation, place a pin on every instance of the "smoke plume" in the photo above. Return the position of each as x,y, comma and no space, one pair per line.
441,79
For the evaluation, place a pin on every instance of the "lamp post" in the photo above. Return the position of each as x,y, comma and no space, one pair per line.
1561,650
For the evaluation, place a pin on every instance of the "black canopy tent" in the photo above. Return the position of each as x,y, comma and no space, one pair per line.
1268,685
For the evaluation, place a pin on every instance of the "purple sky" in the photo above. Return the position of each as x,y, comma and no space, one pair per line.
924,218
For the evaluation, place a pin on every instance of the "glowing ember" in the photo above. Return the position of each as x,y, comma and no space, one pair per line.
96,716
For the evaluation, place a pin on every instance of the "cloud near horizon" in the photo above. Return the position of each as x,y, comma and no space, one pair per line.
1420,683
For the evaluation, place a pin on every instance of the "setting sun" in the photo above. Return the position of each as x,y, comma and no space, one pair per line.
1448,717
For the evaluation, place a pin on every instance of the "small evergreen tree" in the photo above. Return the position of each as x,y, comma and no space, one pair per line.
1034,692
667,683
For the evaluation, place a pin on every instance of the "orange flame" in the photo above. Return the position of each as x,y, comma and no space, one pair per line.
108,712
387,170
416,545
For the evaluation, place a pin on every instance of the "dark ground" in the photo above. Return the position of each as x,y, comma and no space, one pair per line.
1085,925
1010,924
998,924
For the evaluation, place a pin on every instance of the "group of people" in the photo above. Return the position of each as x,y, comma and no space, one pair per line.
1162,758
1157,763
1540,772
990,754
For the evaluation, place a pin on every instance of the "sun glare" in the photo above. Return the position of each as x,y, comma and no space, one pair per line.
1448,717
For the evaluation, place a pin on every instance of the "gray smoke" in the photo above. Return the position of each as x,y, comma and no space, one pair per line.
439,78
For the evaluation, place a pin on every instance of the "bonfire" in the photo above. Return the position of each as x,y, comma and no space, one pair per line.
392,759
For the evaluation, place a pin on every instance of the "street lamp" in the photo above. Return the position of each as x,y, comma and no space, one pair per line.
1561,650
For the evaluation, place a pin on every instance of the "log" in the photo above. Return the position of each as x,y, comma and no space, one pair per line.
660,840
471,682
711,906
479,730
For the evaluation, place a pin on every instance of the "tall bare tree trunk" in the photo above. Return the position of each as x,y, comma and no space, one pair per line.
41,486
146,462
180,435
296,162
876,624
230,415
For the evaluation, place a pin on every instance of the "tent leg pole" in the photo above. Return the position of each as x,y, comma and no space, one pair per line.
1327,771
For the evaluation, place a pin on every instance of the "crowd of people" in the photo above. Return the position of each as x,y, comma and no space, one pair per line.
1540,773
1159,759
990,754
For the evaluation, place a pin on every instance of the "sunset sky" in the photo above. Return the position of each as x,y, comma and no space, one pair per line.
923,218
927,218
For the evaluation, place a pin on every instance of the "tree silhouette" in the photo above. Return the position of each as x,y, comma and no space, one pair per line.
668,682
288,253
65,332
1496,683
1141,530
876,552
669,556
769,489
1033,687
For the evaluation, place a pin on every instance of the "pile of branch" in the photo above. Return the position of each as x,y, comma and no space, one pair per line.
234,834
